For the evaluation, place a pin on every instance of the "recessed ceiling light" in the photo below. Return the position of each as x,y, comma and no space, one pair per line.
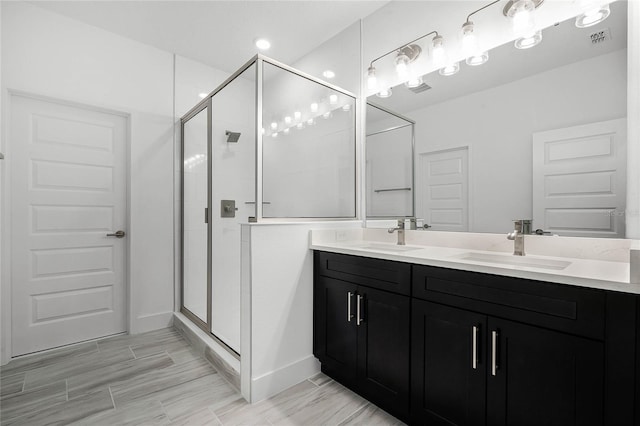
263,44
203,95
329,74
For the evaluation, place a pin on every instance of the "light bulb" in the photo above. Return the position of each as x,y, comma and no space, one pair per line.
438,52
372,81
529,41
346,107
333,99
413,82
203,95
263,44
384,93
469,40
287,119
314,107
327,115
274,125
594,13
450,69
300,126
402,64
522,17
329,74
297,115
310,122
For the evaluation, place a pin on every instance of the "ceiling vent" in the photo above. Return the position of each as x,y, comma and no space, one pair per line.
419,89
600,36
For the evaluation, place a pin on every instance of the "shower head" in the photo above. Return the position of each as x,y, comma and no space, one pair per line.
232,136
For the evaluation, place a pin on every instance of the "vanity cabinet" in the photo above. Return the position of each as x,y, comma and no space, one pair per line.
439,346
362,327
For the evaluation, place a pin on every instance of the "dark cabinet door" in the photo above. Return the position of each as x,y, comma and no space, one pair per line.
383,348
542,377
335,330
448,365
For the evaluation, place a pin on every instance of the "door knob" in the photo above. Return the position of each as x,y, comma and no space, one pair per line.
117,234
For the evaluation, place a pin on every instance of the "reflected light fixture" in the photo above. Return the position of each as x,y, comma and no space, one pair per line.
470,44
327,115
385,93
413,82
287,120
310,122
372,81
286,131
297,115
274,125
263,44
450,69
529,41
274,134
203,95
314,107
328,74
300,126
333,99
594,12
346,107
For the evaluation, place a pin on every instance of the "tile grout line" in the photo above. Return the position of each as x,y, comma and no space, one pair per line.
66,388
215,415
357,411
111,395
132,352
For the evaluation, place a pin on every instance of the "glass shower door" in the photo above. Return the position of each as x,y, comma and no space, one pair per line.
195,155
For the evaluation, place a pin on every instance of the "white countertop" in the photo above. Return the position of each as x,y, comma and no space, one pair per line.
583,272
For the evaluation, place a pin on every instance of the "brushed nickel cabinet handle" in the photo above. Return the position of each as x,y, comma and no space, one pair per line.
494,352
474,347
349,315
358,318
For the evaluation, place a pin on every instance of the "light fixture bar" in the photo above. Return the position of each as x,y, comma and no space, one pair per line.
482,8
403,46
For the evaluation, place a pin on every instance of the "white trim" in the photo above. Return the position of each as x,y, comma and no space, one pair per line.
633,121
283,378
144,323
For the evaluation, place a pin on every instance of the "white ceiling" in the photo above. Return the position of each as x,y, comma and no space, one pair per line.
221,33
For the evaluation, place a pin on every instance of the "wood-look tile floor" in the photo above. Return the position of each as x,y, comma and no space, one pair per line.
156,378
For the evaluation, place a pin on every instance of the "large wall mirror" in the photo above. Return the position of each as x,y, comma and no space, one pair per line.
535,133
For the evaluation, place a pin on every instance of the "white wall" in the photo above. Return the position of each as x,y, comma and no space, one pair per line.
498,127
46,54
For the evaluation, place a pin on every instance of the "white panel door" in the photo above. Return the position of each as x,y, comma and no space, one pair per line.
67,193
579,180
444,189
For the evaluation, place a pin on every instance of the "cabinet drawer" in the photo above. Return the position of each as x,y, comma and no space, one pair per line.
381,274
574,310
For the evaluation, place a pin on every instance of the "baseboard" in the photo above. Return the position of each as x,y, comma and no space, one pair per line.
226,365
145,323
276,381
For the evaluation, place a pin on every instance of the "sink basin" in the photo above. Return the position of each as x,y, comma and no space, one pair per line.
389,247
526,261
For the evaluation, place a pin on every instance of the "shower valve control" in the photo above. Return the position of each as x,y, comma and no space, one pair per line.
228,208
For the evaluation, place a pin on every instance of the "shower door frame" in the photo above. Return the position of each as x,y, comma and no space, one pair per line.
207,103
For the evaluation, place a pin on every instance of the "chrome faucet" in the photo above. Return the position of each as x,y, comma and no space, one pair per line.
400,230
521,227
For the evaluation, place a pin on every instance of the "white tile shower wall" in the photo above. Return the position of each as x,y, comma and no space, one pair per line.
505,134
277,331
50,55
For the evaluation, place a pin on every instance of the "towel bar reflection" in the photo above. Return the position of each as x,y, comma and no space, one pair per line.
392,189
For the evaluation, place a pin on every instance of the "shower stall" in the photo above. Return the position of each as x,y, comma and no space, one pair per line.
270,144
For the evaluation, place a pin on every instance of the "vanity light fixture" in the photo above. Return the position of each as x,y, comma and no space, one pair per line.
522,15
438,53
287,120
333,99
297,115
529,41
314,107
405,55
274,125
470,44
594,12
450,69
